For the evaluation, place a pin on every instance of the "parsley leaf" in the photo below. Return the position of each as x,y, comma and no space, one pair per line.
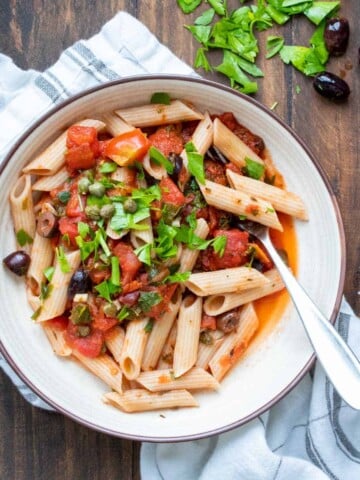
63,261
304,59
160,97
124,313
273,45
144,254
106,288
23,238
149,326
219,244
318,11
188,6
147,300
108,167
201,61
206,17
195,162
160,159
219,6
115,271
254,169
177,277
48,273
164,242
200,32
83,229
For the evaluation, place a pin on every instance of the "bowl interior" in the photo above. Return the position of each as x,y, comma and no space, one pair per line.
272,364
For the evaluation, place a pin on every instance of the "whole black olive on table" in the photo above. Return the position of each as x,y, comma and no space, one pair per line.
336,35
331,86
18,262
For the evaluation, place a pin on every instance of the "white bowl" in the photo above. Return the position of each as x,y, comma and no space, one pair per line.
272,366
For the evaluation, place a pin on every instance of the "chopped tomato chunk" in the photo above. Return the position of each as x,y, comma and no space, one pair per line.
128,147
167,140
75,206
234,254
215,172
129,262
89,346
80,157
60,323
208,322
166,292
78,135
170,193
69,226
103,323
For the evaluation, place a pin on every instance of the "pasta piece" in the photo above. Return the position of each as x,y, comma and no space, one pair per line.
271,172
55,304
115,235
235,343
57,341
188,257
53,158
206,352
167,355
140,400
103,367
134,347
158,114
227,280
123,174
34,300
114,341
156,171
48,183
160,333
280,199
162,380
217,304
231,146
187,338
41,257
240,203
22,211
139,238
115,125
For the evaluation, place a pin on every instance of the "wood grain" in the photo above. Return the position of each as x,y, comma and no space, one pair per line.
38,445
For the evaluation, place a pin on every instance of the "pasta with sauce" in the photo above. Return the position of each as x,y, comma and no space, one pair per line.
140,269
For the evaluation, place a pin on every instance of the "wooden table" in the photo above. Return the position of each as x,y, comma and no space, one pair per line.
39,445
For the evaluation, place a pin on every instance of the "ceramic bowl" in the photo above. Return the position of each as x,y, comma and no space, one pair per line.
271,367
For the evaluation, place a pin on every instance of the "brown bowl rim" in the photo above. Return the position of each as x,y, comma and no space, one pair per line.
309,363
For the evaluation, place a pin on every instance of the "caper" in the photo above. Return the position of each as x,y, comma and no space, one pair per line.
130,206
83,330
93,212
110,310
107,211
83,185
80,314
97,189
206,338
18,262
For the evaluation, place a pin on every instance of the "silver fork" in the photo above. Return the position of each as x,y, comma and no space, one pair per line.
338,360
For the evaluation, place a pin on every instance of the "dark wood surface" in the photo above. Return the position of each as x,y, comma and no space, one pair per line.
39,445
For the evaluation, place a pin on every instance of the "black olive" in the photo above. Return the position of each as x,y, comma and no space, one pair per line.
331,86
215,154
227,322
47,225
18,262
177,161
336,35
80,283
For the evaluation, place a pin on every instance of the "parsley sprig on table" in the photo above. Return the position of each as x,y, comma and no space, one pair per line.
235,34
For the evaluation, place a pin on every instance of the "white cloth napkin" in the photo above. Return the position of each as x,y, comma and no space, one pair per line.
311,434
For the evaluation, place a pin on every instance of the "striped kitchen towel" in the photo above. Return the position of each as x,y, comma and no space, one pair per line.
309,435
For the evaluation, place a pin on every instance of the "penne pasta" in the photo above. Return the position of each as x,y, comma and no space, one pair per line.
55,304
188,257
53,157
41,258
134,347
156,171
33,299
281,200
226,280
163,380
48,183
167,355
207,351
217,304
187,337
158,114
231,146
114,341
57,341
22,211
139,238
240,203
103,367
115,125
139,400
235,343
160,333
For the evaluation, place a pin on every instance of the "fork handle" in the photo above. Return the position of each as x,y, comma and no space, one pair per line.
338,360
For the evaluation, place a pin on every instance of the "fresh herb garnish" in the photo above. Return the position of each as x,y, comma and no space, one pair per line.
106,288
177,277
144,254
160,97
23,238
63,261
83,229
206,17
64,196
45,290
253,169
188,6
195,162
273,45
48,273
108,167
147,300
160,159
124,313
115,271
149,326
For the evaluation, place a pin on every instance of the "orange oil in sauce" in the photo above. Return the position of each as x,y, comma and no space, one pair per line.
270,309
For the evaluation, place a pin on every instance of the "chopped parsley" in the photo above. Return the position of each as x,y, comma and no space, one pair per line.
123,314
64,196
149,326
160,97
160,159
253,169
177,277
108,167
147,300
63,261
195,162
106,289
23,238
144,254
115,271
48,273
